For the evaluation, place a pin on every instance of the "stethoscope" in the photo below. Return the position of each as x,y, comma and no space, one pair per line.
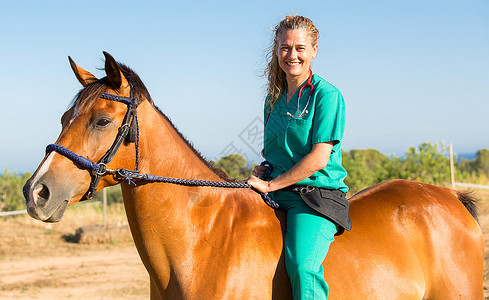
304,111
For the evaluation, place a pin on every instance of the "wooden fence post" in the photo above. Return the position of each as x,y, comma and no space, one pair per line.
105,207
452,168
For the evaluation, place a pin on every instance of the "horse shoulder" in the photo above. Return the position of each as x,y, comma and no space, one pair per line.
237,245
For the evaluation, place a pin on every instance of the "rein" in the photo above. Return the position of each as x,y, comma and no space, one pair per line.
125,132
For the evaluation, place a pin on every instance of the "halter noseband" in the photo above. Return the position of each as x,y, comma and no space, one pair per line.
128,131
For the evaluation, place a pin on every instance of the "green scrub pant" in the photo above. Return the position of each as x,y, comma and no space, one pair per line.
307,240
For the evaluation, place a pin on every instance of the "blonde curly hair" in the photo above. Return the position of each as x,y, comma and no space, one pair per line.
277,82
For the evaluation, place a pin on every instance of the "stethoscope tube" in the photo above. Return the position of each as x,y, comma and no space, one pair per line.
304,111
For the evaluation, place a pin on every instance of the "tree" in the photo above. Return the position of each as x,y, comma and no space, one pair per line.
364,167
429,163
481,164
476,169
235,166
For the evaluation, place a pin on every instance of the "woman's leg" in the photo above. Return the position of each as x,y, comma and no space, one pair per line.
307,242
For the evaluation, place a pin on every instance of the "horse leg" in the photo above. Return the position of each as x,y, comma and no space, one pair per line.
154,291
460,283
458,269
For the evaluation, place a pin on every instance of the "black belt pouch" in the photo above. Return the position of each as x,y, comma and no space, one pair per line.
332,204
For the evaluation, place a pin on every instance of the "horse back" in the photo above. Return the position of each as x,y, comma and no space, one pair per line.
409,241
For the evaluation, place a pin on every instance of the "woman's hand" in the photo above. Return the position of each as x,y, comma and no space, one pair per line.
258,184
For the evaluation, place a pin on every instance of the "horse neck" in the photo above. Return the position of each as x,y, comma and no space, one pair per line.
163,217
164,152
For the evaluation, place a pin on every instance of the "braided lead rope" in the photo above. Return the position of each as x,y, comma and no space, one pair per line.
130,176
270,202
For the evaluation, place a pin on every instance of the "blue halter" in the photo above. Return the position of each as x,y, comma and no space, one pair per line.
99,169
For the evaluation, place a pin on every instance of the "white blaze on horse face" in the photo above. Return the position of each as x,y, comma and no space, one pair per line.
43,168
45,165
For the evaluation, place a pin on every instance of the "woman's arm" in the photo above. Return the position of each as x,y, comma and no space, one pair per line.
316,160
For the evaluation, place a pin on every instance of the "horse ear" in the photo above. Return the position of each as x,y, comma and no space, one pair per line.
84,77
114,74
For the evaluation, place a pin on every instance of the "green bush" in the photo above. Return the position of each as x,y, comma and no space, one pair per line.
11,197
365,168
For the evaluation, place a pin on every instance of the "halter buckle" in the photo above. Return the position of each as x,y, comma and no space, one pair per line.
124,126
102,170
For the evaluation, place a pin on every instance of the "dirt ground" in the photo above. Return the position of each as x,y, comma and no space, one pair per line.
42,261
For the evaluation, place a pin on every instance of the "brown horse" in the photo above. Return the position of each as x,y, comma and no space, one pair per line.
409,240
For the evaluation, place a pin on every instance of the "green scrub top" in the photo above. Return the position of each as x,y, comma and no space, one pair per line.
288,139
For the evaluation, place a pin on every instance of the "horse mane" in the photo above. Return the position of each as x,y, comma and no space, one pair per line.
88,95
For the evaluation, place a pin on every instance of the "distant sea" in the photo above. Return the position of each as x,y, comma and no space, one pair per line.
467,156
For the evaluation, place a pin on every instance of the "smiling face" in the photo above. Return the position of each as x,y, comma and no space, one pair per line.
295,52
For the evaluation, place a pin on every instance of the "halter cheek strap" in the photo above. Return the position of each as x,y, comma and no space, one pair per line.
129,119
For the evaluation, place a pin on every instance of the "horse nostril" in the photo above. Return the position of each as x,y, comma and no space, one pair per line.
41,194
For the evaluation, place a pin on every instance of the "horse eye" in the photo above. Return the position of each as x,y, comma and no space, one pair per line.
103,122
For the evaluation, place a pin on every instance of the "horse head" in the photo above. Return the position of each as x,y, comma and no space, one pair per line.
89,129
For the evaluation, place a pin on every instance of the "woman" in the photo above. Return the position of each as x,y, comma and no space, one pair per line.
304,125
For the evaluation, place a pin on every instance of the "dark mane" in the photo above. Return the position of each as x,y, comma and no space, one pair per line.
87,97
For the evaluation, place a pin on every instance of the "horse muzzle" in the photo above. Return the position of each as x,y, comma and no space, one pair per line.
43,202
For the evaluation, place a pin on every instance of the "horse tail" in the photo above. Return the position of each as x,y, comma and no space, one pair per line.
470,203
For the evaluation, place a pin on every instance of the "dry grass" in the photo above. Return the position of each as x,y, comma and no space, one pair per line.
25,236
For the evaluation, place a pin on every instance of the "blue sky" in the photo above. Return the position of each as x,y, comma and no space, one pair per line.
410,71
